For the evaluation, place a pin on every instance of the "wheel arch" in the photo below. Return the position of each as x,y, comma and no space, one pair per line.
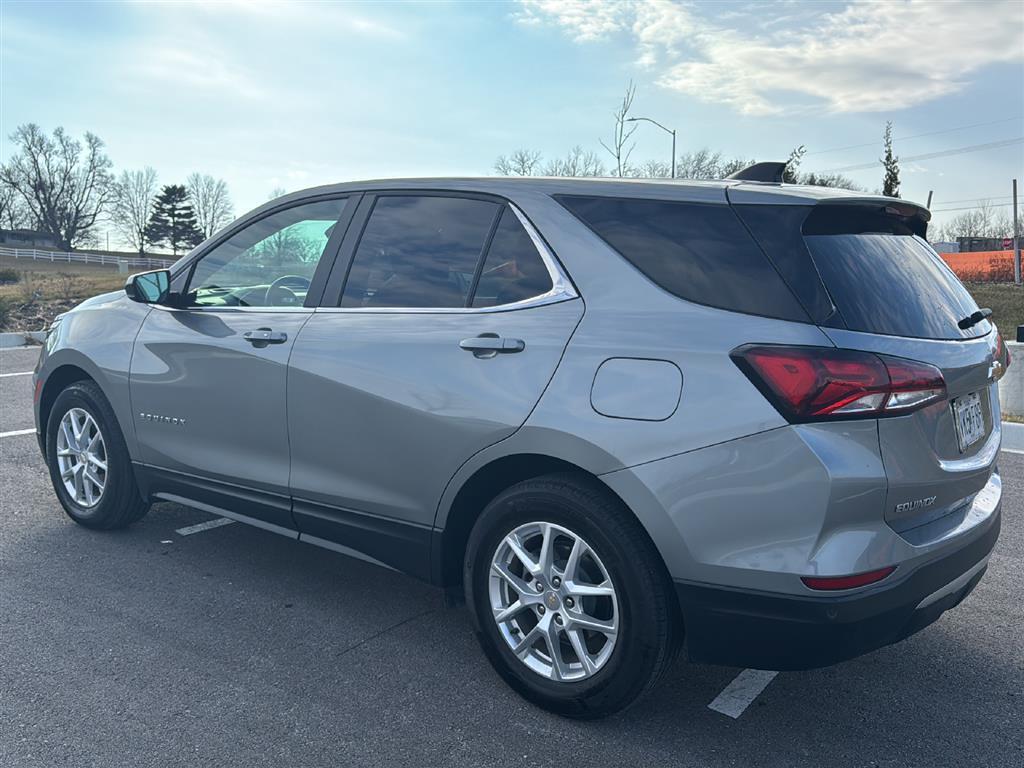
60,372
477,490
57,381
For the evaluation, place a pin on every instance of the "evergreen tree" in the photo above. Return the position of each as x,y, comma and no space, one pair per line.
173,222
891,183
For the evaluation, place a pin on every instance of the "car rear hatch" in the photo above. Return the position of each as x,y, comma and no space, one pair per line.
873,284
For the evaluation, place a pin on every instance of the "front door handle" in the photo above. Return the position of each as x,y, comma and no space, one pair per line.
261,337
490,344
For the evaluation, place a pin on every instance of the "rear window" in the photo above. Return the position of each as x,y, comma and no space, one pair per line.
699,252
863,266
894,285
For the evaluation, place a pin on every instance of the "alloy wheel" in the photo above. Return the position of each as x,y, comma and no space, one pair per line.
553,601
81,457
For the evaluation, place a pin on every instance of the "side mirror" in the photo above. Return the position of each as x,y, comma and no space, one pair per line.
149,287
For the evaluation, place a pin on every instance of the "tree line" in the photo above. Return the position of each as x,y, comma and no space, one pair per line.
66,188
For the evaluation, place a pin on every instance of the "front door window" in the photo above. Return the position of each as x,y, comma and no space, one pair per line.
270,263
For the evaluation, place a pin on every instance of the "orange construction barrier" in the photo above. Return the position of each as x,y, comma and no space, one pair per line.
981,266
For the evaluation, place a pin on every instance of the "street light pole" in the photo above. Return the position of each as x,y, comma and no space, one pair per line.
666,130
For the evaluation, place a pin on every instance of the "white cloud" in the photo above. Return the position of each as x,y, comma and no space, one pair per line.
174,66
864,57
583,20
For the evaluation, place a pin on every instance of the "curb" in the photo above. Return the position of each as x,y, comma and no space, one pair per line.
1013,437
21,339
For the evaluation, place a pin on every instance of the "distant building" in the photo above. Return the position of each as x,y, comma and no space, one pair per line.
971,244
26,238
946,247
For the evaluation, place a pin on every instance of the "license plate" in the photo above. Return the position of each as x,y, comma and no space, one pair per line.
970,426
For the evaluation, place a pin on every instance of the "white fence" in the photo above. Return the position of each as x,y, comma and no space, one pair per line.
61,257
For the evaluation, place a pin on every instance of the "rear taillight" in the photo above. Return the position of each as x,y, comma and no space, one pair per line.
820,383
1002,357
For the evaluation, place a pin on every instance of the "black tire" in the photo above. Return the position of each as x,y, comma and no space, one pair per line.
120,504
650,625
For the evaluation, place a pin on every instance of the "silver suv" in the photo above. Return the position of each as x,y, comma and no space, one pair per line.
758,418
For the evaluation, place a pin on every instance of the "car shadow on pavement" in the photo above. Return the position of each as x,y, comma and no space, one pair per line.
240,637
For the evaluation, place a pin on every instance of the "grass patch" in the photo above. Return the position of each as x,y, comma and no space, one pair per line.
40,290
1006,301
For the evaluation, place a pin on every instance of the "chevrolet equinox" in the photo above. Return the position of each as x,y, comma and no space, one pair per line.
753,420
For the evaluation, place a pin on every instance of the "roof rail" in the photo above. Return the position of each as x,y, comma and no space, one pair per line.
770,172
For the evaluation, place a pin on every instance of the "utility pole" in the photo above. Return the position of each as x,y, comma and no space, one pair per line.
1016,238
928,205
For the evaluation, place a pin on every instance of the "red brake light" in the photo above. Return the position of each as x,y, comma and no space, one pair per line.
814,383
847,582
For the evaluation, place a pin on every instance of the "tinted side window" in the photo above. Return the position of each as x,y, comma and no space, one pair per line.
514,270
419,251
270,263
698,252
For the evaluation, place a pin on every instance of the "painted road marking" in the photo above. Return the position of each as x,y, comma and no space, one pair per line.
17,432
216,523
739,694
19,373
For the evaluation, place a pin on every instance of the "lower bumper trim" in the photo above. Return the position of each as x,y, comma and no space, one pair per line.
763,630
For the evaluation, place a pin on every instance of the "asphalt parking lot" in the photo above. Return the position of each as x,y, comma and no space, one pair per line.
234,646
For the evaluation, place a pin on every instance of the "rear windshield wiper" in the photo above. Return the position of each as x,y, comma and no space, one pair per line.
975,318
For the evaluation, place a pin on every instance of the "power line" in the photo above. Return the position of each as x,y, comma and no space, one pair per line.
971,207
981,199
915,136
932,155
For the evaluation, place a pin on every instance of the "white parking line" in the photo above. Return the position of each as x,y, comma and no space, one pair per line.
17,432
739,694
215,523
19,373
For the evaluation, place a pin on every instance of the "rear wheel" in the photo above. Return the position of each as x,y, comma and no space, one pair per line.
572,604
88,461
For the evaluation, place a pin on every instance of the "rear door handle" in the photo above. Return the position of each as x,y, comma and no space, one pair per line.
261,337
490,344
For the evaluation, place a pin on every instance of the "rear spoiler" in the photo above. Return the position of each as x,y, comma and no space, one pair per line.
886,212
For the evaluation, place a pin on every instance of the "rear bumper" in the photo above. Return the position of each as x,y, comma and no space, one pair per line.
787,632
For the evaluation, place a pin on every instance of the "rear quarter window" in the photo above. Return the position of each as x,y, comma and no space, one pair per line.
697,251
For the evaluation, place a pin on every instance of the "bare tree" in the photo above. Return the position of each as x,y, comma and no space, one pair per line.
64,184
651,169
522,162
982,221
621,148
701,164
576,163
829,180
210,201
131,203
13,213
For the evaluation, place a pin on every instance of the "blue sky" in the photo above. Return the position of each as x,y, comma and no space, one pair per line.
269,94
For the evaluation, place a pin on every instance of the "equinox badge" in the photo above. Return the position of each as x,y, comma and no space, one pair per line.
909,506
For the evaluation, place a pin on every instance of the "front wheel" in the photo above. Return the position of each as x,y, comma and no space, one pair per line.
88,461
572,604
